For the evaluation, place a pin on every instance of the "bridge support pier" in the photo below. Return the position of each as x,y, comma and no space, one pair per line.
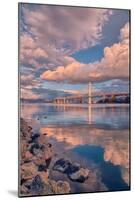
90,93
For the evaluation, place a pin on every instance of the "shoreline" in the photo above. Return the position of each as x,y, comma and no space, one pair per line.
101,105
36,156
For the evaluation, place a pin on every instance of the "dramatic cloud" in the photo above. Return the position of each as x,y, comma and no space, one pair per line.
49,37
124,34
114,65
50,33
26,79
30,52
66,28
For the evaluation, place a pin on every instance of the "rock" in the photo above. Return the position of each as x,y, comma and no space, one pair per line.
65,166
42,167
36,156
61,165
41,164
25,130
47,151
72,168
41,150
40,185
63,187
44,175
36,187
80,176
29,128
44,133
37,160
42,139
35,148
28,170
23,148
34,138
28,156
48,162
73,171
60,187
24,190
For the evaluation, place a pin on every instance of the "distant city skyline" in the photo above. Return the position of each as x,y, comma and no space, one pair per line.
63,48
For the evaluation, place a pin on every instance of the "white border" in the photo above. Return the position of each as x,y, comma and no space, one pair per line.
9,97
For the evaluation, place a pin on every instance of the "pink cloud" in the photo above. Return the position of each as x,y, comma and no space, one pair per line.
30,51
78,27
114,65
57,32
28,94
124,34
29,81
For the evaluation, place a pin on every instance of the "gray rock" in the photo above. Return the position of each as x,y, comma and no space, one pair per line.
34,138
36,186
80,176
28,170
61,165
73,171
25,129
60,187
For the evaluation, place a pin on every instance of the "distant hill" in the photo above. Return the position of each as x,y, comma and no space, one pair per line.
32,100
115,100
48,95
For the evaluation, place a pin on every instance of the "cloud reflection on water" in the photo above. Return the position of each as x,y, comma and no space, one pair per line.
114,142
74,126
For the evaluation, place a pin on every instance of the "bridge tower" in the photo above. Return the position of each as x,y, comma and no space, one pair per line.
90,93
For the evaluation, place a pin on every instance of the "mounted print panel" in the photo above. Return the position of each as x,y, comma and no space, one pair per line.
74,99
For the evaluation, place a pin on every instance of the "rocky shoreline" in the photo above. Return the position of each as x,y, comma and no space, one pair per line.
36,155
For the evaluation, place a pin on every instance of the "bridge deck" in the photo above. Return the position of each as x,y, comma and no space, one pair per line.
93,96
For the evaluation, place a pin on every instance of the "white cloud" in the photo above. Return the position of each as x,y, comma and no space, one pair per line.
114,65
124,34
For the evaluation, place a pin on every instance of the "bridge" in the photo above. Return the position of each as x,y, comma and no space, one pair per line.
89,97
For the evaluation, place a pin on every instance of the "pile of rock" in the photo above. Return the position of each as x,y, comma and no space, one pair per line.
36,155
73,170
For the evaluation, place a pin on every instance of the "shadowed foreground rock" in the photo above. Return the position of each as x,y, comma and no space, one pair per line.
36,156
74,171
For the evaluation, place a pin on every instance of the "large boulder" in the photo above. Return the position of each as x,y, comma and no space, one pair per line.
44,150
34,138
73,171
35,149
80,175
61,165
36,186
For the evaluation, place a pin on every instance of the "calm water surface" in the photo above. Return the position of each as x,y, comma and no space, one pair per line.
97,137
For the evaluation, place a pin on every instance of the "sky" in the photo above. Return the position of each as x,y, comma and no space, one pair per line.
62,49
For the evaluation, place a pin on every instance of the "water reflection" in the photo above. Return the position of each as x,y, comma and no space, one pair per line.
110,173
95,135
115,117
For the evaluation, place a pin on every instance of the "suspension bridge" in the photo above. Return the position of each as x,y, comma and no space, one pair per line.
90,96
